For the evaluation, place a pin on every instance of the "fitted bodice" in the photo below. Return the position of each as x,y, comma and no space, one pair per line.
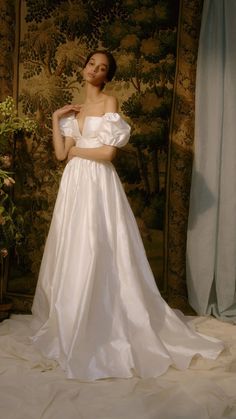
109,129
89,135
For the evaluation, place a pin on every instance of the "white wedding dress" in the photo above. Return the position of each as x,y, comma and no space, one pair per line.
97,310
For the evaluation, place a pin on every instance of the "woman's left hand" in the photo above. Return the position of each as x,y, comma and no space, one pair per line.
73,152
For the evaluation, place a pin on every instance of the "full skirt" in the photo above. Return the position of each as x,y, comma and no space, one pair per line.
97,310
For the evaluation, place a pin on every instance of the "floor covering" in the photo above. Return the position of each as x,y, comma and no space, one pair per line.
32,387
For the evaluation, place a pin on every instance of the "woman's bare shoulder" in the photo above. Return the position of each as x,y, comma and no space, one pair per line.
110,103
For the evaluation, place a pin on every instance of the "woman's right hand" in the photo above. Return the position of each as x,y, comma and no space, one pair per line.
59,113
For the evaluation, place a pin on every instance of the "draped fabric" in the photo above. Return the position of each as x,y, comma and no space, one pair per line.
211,243
33,387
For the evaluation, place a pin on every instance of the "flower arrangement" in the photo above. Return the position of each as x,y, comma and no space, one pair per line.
11,223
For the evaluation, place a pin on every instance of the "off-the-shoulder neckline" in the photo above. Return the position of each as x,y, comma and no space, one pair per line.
91,116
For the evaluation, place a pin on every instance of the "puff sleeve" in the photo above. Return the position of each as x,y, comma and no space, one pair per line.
66,125
114,130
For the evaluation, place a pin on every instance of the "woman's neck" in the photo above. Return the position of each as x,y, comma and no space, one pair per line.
93,94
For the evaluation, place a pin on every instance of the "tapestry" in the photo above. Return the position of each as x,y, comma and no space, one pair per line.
55,38
181,152
53,46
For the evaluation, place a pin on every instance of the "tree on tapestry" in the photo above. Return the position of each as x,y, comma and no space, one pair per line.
146,45
59,36
55,46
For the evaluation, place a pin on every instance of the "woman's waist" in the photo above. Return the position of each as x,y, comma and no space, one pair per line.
79,168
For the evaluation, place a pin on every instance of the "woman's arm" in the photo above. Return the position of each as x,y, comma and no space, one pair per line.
103,153
111,104
61,144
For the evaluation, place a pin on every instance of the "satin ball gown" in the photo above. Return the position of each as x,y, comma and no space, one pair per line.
97,310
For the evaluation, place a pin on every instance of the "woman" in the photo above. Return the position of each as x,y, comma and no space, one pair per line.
97,310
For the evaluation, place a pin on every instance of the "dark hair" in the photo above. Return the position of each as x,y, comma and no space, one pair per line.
111,62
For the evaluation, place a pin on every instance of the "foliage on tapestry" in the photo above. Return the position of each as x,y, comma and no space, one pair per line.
60,34
7,41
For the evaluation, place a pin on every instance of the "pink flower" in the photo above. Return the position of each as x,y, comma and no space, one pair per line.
9,181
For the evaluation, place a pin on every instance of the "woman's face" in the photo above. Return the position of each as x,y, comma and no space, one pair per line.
95,71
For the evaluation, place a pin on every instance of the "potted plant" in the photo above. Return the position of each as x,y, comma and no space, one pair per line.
12,127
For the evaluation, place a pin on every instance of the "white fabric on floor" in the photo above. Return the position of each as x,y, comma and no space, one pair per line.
32,387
